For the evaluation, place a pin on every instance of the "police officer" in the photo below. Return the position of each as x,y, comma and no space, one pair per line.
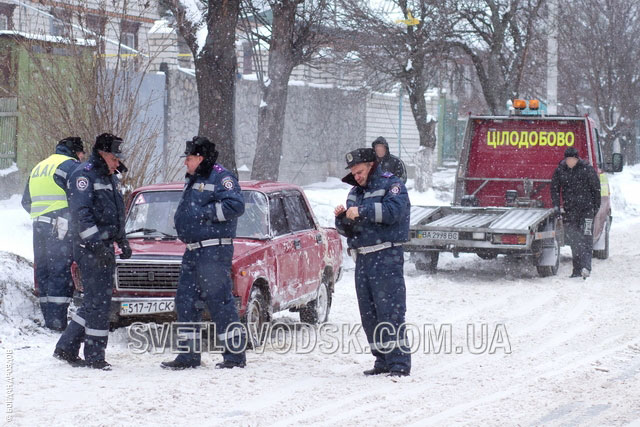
206,219
578,184
387,161
376,222
97,212
45,198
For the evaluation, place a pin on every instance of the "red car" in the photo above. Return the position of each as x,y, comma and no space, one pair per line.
282,259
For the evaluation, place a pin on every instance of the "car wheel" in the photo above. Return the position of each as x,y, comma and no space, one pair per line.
317,311
256,316
604,253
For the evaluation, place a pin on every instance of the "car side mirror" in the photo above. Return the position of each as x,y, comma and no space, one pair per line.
617,162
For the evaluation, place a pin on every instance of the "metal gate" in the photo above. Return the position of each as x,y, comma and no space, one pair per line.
8,131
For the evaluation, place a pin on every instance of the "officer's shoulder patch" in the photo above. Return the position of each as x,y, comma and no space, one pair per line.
82,183
394,189
227,182
387,174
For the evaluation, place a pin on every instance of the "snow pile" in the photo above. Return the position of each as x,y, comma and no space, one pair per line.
19,308
11,169
16,228
625,193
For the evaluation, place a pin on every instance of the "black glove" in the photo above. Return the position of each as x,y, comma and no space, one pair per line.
101,252
125,248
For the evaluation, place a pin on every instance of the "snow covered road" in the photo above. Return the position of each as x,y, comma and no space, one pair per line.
574,359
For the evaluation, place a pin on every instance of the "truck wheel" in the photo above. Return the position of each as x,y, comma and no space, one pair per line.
256,316
604,253
317,311
487,256
427,261
550,270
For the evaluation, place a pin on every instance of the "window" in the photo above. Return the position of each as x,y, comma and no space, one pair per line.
599,157
279,224
297,213
97,25
61,23
6,14
129,34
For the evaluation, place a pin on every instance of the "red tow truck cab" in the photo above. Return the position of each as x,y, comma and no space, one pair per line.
282,258
502,199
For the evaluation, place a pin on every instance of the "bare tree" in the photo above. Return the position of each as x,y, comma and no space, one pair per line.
294,35
209,29
599,67
76,89
498,36
407,51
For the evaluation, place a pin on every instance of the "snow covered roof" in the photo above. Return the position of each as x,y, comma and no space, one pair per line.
47,38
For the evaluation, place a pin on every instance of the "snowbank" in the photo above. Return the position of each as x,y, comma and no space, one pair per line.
16,228
625,194
19,308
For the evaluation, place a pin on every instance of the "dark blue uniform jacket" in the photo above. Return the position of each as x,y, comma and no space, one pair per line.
97,206
384,210
210,205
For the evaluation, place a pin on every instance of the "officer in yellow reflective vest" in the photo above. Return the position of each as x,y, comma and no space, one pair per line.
45,198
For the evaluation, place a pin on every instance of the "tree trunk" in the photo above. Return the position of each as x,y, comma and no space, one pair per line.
273,106
424,161
216,80
271,115
426,131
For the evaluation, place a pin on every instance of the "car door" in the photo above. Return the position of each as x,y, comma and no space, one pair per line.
287,257
308,241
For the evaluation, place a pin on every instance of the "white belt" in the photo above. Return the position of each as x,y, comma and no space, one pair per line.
210,242
375,248
46,219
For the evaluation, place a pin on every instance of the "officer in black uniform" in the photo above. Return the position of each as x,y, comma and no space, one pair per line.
45,198
578,184
206,220
376,222
97,212
387,162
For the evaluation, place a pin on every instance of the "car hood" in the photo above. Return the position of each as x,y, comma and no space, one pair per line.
175,248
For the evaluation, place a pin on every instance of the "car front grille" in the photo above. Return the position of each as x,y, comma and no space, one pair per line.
148,276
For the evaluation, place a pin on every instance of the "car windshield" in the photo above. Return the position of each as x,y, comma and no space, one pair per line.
151,215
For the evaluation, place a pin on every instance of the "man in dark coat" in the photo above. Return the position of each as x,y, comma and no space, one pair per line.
46,199
97,214
376,223
579,186
206,220
388,162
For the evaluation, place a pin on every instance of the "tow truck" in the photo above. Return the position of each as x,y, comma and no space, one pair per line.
502,199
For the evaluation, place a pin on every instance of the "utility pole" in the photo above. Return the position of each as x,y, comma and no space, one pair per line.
552,58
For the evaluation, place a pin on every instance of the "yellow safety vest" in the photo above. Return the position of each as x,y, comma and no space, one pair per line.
46,195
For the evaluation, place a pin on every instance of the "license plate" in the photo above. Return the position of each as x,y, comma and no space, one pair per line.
146,307
438,235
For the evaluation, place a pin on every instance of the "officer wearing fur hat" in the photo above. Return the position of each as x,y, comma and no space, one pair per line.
98,218
206,220
45,198
577,183
376,223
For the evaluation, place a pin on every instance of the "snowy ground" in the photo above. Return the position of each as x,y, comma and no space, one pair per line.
573,348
